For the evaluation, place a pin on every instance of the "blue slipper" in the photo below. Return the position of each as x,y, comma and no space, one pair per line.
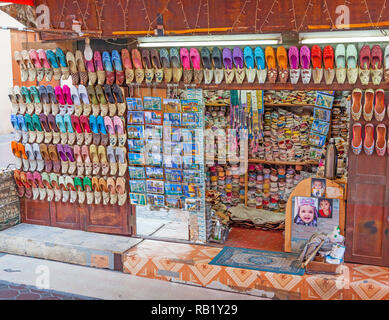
61,57
93,124
52,59
259,58
26,94
14,122
100,125
107,61
44,97
59,120
175,58
21,122
116,60
68,123
51,94
248,57
164,57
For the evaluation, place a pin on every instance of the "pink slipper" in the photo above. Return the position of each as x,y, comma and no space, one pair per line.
59,95
98,61
184,54
195,58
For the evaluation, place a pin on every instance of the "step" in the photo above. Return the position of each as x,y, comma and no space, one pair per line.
189,264
65,245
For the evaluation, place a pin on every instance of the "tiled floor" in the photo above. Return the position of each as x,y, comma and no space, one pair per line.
189,264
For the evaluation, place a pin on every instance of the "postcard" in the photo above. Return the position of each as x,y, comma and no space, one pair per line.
138,199
324,100
317,139
154,173
135,117
135,131
172,119
173,175
320,127
192,176
172,105
137,186
190,119
136,159
173,202
190,105
173,162
136,172
135,145
151,103
153,132
134,104
155,186
192,204
173,189
154,159
191,190
191,162
156,200
153,117
190,149
322,114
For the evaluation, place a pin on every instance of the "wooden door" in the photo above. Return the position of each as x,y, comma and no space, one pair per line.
66,215
367,225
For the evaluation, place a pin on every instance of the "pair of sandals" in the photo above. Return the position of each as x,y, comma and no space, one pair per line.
25,100
37,64
371,63
368,141
106,100
374,103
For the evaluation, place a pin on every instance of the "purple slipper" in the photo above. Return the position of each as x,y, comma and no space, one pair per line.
69,152
293,54
52,123
61,152
238,57
305,57
227,58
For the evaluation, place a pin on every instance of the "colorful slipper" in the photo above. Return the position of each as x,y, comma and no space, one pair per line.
16,153
380,146
340,61
68,99
112,160
121,190
37,64
20,100
317,72
83,74
22,124
103,160
86,159
96,190
249,62
149,71
52,58
111,100
31,157
176,64
364,65
19,184
88,136
228,67
34,186
120,153
77,127
121,104
53,100
62,63
30,67
93,99
128,69
368,143
48,134
104,137
41,188
386,73
196,63
217,59
38,107
22,66
137,62
99,67
156,63
352,60
86,107
117,64
63,158
376,65
112,190
92,75
282,60
110,128
294,63
44,97
80,190
87,184
72,189
46,157
165,61
27,186
270,58
64,190
40,135
237,57
185,61
328,59
95,159
48,187
109,72
54,158
54,128
71,61
368,109
45,63
60,121
75,96
102,102
38,156
79,162
379,106
104,190
305,60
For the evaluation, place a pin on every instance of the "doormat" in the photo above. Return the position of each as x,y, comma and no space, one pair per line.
270,261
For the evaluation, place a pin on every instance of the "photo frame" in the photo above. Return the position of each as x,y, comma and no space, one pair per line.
305,211
325,208
318,187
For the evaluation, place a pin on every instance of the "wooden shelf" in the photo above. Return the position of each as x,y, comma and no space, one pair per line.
291,163
271,105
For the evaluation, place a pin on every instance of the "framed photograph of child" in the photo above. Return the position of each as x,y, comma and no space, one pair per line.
318,187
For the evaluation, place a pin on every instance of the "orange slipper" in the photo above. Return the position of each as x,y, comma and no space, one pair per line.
282,60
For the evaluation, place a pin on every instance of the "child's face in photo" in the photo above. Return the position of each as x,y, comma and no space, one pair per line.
325,205
317,185
307,213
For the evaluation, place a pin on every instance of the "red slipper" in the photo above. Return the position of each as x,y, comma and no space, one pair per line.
364,57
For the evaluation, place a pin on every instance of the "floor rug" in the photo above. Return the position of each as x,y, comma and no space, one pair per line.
270,261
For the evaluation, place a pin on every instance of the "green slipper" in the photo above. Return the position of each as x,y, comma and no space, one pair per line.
92,95
78,184
36,122
35,94
87,182
26,94
28,122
